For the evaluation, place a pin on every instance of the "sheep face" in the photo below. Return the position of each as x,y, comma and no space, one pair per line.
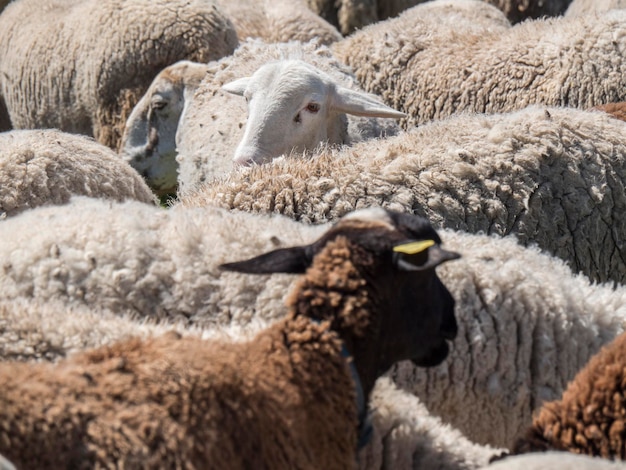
149,140
373,277
293,107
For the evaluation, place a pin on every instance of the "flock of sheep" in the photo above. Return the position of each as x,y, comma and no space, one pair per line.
313,234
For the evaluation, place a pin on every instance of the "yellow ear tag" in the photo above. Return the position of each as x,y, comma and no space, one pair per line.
413,248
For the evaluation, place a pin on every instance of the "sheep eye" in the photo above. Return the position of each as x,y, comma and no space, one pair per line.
297,119
159,104
313,107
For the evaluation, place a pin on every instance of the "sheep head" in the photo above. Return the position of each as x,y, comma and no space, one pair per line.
149,140
293,107
372,277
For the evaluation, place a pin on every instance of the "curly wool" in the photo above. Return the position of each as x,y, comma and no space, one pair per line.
553,460
177,403
153,263
590,417
585,7
39,167
278,21
517,309
552,176
74,65
421,65
527,325
406,435
351,15
617,110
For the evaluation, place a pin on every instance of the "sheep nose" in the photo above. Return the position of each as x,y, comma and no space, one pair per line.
245,155
243,162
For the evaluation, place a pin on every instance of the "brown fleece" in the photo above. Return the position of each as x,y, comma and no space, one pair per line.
617,110
590,418
285,399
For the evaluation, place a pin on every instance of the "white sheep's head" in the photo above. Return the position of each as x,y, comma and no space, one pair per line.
293,107
149,140
372,276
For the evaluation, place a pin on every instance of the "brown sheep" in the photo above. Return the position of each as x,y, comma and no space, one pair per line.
292,397
590,418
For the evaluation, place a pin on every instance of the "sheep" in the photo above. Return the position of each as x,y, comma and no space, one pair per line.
278,21
518,309
527,325
448,62
369,297
49,166
350,15
551,176
149,139
143,261
213,125
81,66
583,7
402,427
406,435
590,417
553,460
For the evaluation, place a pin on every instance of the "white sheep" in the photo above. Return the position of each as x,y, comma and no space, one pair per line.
438,58
149,261
40,167
278,21
527,325
295,395
149,139
551,176
81,66
405,435
318,94
351,15
554,460
585,7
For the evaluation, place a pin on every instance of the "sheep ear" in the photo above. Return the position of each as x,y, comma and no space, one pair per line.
357,103
284,260
237,87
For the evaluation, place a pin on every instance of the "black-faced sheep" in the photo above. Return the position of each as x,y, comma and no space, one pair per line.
39,167
81,65
438,59
293,397
590,417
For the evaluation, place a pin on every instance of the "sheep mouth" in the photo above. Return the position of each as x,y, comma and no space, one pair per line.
434,357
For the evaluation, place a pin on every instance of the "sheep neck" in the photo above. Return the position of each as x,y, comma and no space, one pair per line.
338,298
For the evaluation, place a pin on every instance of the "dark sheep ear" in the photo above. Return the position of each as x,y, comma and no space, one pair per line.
284,260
